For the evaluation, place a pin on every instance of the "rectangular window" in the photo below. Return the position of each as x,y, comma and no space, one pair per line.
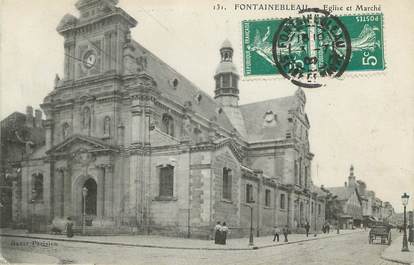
282,201
167,181
227,179
267,198
249,193
319,209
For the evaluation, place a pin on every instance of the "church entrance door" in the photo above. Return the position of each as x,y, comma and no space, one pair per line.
89,206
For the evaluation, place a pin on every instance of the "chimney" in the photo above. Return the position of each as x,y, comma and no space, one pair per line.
38,118
29,116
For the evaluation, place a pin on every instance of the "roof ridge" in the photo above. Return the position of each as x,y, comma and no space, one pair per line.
267,100
175,71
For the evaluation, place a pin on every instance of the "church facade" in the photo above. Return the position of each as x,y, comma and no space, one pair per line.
133,146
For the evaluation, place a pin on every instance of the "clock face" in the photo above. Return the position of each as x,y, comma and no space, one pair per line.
89,59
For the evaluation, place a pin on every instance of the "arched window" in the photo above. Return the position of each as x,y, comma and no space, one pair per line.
227,181
167,124
167,181
37,187
86,118
107,126
65,130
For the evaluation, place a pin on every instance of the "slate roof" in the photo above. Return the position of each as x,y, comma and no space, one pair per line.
342,193
318,190
253,115
185,91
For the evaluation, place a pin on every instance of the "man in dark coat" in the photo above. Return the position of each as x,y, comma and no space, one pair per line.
285,232
69,227
411,235
307,228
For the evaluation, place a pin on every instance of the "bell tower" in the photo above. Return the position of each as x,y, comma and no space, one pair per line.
226,77
94,41
227,88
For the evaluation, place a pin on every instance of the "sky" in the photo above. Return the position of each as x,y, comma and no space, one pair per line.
364,119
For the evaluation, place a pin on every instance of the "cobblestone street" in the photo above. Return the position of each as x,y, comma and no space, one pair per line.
341,250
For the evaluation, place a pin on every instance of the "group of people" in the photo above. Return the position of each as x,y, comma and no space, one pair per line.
220,233
326,227
276,233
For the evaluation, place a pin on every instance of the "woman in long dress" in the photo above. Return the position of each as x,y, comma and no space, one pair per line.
69,228
217,233
224,231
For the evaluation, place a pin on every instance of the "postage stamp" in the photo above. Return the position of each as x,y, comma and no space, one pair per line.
313,45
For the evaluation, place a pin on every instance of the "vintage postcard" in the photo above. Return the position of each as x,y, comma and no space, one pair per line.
207,132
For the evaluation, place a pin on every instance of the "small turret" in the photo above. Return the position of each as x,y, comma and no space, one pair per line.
351,178
227,77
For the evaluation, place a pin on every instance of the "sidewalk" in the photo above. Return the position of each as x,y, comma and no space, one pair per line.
175,243
393,252
16,256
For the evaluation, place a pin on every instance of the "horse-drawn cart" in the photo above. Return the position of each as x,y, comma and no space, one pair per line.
382,232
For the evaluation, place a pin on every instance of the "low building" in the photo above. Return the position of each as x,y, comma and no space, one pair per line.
351,208
20,135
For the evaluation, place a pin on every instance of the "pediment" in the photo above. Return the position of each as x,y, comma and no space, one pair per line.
80,142
236,149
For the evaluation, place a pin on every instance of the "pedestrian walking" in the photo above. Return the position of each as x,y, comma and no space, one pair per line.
224,231
217,233
411,235
307,228
285,232
69,227
328,227
276,233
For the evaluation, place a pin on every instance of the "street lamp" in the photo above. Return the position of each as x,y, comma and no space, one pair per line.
251,223
404,199
84,193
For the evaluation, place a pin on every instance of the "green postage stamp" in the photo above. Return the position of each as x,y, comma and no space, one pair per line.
303,47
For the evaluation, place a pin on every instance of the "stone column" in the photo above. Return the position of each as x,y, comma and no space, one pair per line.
101,193
48,124
136,128
108,197
291,209
67,194
276,205
58,192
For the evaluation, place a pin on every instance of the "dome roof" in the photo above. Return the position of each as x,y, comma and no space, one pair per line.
68,20
226,44
226,67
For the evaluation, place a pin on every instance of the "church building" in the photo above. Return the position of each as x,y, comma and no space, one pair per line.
132,146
